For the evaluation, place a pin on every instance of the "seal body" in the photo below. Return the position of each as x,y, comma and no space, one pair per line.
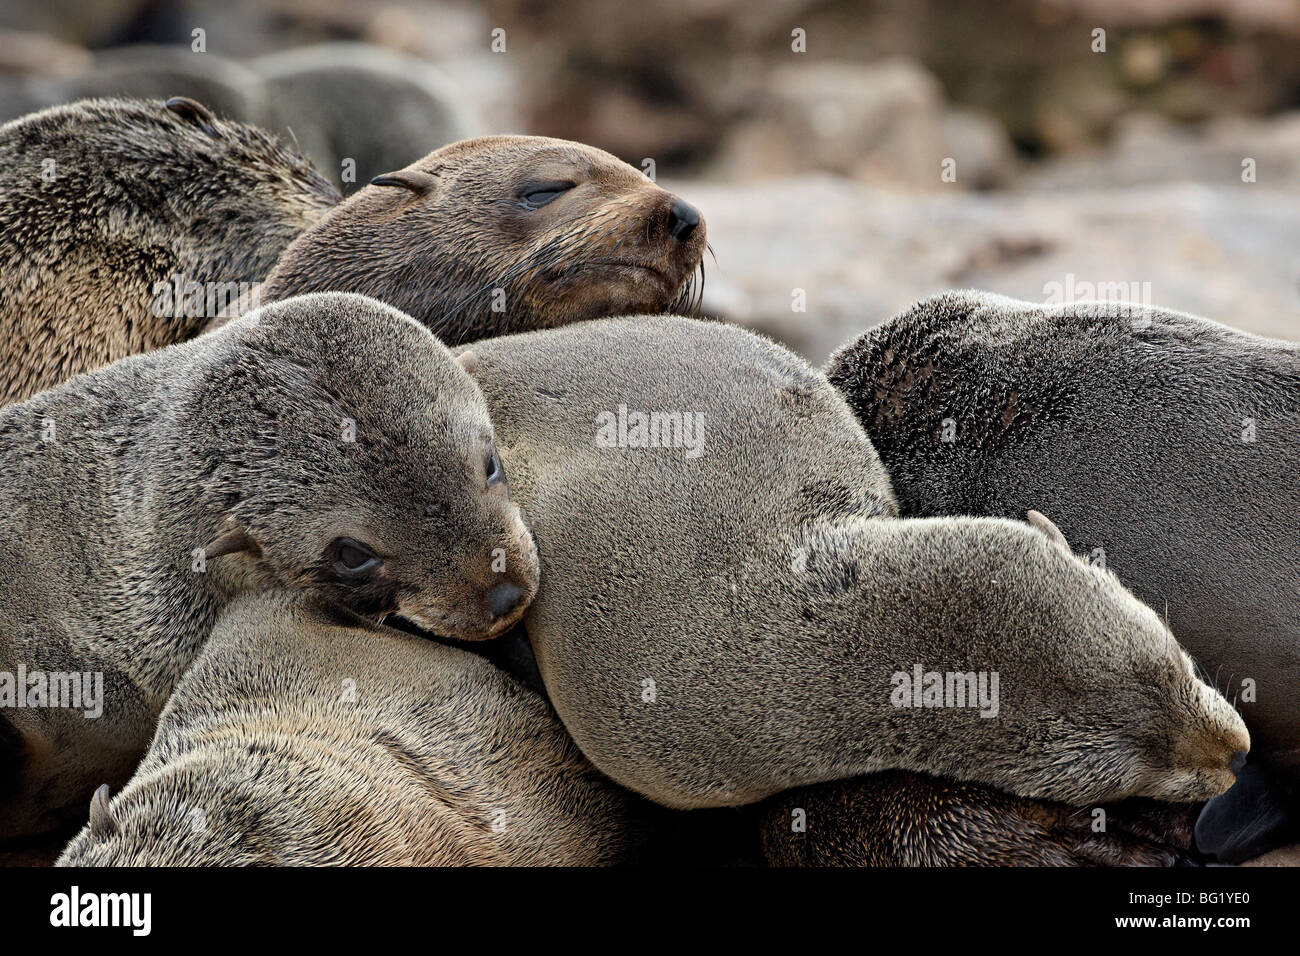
1164,445
504,234
126,225
307,736
327,444
731,607
906,819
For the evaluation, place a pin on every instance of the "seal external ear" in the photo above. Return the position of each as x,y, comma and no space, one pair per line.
468,361
102,824
194,113
1045,525
412,179
232,542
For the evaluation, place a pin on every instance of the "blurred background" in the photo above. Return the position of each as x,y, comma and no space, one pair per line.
849,157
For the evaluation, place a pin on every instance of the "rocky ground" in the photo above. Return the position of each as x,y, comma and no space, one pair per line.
861,253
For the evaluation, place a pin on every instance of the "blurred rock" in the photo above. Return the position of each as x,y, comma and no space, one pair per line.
379,108
1028,63
679,61
150,71
74,21
882,123
862,253
1274,14
1149,149
455,36
22,52
877,122
980,144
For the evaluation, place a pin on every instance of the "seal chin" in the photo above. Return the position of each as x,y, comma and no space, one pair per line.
637,277
1186,786
458,626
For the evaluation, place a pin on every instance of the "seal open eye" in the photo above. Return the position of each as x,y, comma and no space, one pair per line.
352,559
493,468
536,195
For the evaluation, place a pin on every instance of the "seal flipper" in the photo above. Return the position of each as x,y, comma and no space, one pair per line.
102,824
1250,819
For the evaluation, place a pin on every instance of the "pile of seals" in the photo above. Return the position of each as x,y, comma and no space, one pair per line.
551,596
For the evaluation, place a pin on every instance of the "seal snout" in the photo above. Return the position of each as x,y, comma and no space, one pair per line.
1237,763
682,220
504,598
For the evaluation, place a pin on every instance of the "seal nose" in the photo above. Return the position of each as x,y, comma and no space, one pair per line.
503,598
1238,763
682,220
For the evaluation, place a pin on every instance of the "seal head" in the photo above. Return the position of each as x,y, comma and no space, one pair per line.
397,501
504,234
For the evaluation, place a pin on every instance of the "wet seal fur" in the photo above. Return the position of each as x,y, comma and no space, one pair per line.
1126,422
305,736
139,500
102,200
720,626
504,234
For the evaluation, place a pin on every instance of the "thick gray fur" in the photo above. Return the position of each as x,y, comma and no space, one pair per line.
1164,443
105,205
307,737
718,628
317,417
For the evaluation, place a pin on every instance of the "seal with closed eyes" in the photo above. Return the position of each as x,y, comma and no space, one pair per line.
307,736
1165,445
1163,442
503,234
127,225
327,444
732,608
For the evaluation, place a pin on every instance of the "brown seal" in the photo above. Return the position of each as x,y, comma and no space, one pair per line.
731,607
127,225
327,444
306,735
505,234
